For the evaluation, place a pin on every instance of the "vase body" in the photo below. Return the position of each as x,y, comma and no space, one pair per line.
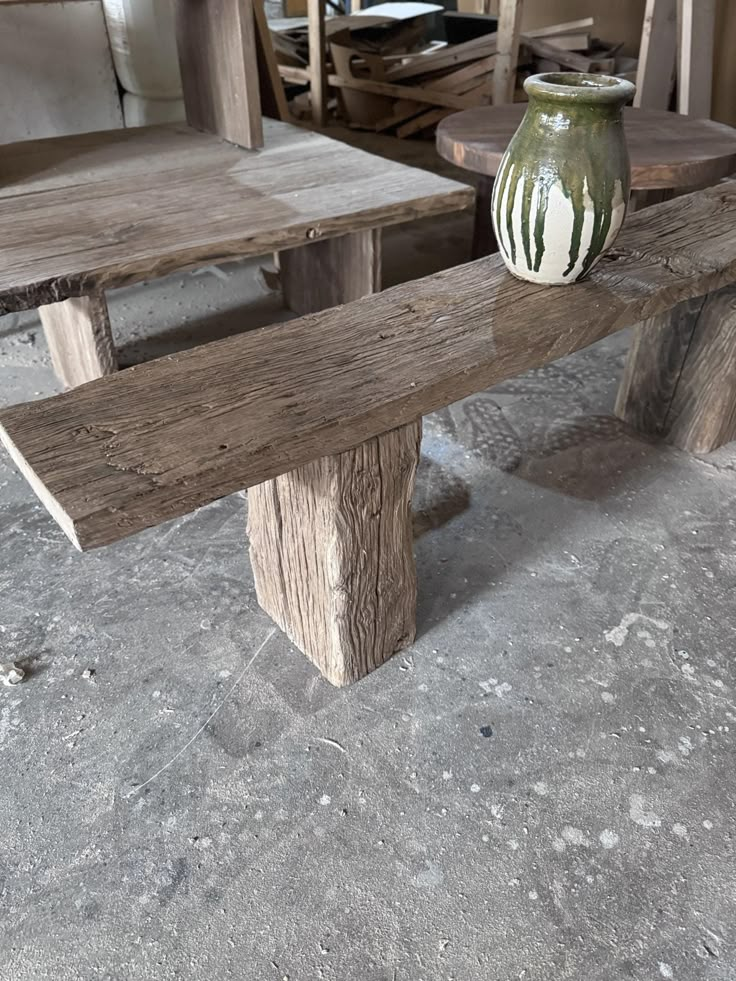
562,188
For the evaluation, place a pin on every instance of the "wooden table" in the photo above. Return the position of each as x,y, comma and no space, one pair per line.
668,152
83,214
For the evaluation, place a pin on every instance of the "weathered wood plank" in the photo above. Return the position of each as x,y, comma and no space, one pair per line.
323,536
80,339
219,68
680,377
101,210
325,274
504,75
657,55
161,439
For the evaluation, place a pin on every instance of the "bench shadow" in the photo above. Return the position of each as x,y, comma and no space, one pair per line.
584,457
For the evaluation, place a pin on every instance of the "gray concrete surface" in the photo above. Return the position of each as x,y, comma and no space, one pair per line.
541,789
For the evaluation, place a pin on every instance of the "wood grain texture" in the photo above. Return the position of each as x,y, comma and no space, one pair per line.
79,338
695,57
679,382
507,51
332,554
94,211
326,274
160,439
657,55
667,150
219,68
317,61
273,97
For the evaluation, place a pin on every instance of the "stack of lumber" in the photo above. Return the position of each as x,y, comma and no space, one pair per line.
390,78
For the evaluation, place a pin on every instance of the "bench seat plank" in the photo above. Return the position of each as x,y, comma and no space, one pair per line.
94,211
156,441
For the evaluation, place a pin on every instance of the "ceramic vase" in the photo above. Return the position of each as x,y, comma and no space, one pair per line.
562,188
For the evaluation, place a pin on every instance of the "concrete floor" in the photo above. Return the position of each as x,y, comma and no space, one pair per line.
542,788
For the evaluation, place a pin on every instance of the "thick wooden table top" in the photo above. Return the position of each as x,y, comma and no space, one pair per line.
100,210
667,150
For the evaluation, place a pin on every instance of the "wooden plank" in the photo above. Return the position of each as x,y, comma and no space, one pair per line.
569,27
457,54
219,68
100,210
422,122
568,59
449,83
273,97
413,92
160,439
317,61
680,376
657,55
695,59
322,537
507,55
79,339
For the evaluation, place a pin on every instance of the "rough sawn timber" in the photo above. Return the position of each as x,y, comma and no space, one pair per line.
79,338
331,548
100,210
158,440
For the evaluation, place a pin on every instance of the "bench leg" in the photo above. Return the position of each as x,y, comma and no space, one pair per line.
79,338
332,554
680,377
325,274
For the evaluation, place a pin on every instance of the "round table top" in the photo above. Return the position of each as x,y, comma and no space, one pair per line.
667,150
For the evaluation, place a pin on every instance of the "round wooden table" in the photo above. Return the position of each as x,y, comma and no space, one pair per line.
668,152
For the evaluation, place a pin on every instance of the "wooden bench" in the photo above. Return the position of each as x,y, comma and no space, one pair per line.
321,417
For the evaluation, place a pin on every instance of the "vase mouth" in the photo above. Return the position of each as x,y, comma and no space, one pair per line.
580,87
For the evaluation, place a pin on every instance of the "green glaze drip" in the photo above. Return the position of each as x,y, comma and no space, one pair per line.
577,145
542,202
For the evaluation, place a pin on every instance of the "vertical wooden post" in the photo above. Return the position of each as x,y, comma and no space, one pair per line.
332,554
507,51
679,382
219,68
331,542
79,338
657,54
695,63
317,66
325,274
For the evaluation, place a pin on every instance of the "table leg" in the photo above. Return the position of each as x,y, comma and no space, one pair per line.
332,554
337,270
680,377
79,338
484,241
331,542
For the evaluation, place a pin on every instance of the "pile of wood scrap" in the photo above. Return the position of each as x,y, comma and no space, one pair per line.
389,77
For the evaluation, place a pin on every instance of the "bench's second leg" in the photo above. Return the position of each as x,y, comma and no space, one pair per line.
79,338
331,547
680,377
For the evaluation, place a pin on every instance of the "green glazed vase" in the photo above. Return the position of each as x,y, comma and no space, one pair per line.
562,188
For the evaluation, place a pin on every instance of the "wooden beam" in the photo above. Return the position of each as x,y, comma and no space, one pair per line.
326,274
322,537
219,69
79,338
695,61
317,61
507,51
271,87
416,93
680,377
161,439
657,54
